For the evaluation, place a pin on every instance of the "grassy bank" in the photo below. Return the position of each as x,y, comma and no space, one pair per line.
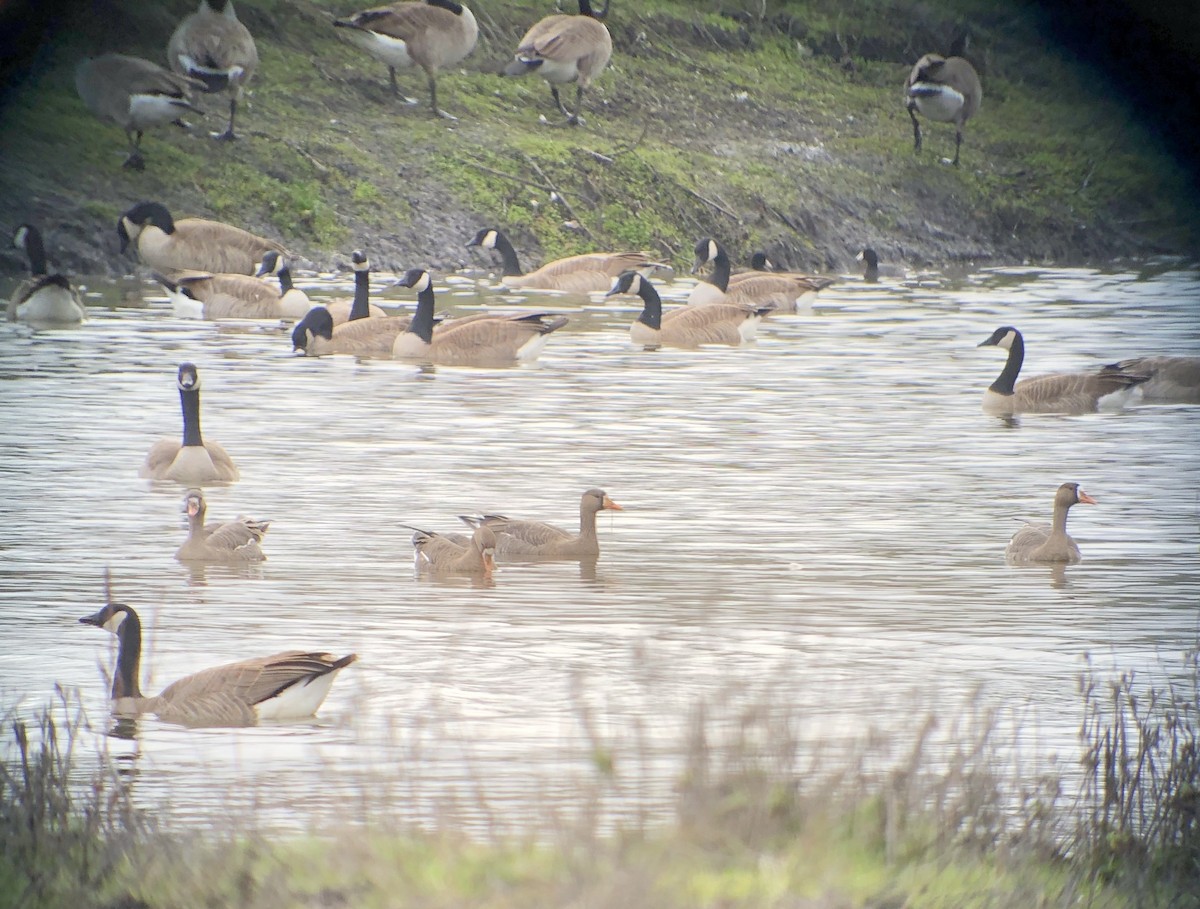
768,124
944,818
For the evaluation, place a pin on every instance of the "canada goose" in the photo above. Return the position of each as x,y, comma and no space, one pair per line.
687,326
1050,542
136,95
167,245
363,334
232,296
873,271
285,686
195,461
1171,380
784,291
538,540
943,89
432,35
43,299
275,263
565,49
485,341
760,261
1069,392
359,306
587,273
440,553
228,541
211,45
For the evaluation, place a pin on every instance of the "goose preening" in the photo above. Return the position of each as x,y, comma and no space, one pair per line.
448,554
42,299
687,326
587,273
233,541
783,291
284,686
1170,380
212,46
484,340
538,540
943,89
564,49
1050,542
208,296
167,245
1069,392
873,271
433,34
362,329
193,461
136,95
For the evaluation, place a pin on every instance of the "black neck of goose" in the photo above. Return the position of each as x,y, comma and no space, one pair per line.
189,399
422,321
1008,376
361,308
129,658
651,315
871,272
720,272
36,252
512,265
285,279
585,9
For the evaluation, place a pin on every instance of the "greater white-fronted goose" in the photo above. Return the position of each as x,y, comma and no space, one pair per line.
167,245
688,326
1171,380
433,34
944,89
587,273
538,540
194,461
284,686
1068,392
235,541
136,95
564,49
212,46
209,296
782,291
873,271
442,554
42,299
479,341
367,332
1050,542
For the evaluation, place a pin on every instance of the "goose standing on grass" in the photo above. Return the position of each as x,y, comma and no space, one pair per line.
442,554
285,686
564,49
873,271
783,291
364,330
688,326
212,46
1171,380
167,245
136,95
1068,392
538,540
943,89
194,461
587,273
433,35
1050,542
208,296
233,541
42,299
483,341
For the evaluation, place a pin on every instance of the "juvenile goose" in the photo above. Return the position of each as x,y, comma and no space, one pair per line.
873,271
209,296
441,554
42,299
478,341
193,461
587,273
564,49
284,686
364,330
687,326
538,540
943,89
1069,392
433,34
136,95
167,245
784,291
233,541
1050,542
1171,380
212,46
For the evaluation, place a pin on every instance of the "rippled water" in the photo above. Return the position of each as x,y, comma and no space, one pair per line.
825,511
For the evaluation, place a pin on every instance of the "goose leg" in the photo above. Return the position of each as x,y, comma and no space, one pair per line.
392,78
957,143
135,161
229,135
575,119
916,128
433,99
557,100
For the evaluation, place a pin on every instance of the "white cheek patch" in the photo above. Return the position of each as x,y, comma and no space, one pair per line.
712,250
489,240
423,283
20,236
1007,341
113,625
362,266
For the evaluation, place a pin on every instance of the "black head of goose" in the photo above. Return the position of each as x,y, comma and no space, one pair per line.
1050,542
688,326
194,461
167,245
293,301
231,542
44,298
563,49
872,270
944,89
212,46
